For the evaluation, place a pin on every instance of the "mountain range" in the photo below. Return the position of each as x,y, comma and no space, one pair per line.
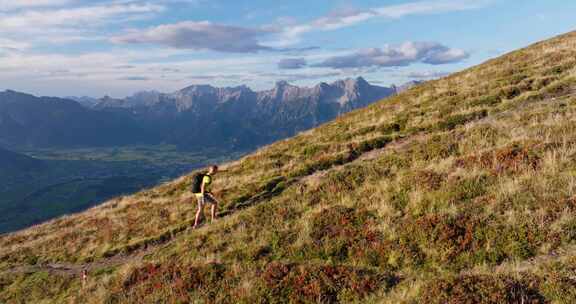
196,117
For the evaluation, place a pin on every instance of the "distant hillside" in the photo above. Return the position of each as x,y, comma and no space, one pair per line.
34,190
84,100
30,121
459,190
14,162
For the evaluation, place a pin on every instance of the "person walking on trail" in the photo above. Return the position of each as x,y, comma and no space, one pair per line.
201,184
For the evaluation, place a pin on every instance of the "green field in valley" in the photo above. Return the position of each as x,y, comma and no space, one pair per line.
71,180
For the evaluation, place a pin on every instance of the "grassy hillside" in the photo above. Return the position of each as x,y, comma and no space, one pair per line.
460,190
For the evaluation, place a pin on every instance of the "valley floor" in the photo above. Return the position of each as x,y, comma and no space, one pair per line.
73,180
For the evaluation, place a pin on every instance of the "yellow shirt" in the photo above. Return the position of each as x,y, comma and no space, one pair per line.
206,181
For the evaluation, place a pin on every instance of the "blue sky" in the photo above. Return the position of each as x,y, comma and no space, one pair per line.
118,47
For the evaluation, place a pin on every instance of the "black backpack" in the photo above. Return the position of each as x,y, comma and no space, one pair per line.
197,182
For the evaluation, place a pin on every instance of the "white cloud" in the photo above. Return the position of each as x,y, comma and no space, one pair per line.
290,77
292,34
339,20
429,7
134,78
199,36
13,45
38,20
6,5
31,27
445,55
292,63
396,56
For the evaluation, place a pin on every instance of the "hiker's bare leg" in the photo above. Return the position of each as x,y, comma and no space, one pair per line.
213,211
198,214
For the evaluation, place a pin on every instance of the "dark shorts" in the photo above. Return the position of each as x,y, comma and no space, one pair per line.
206,198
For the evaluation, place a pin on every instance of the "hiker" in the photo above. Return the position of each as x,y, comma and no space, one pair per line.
201,184
84,276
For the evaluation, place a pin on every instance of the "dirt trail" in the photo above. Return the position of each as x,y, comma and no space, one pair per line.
69,269
397,145
525,265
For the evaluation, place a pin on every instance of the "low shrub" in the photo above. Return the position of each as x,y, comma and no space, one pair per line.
174,283
482,289
34,287
559,281
373,144
560,88
390,128
560,69
341,234
313,150
394,161
451,122
458,189
510,92
508,160
490,100
364,131
437,146
336,231
454,234
427,179
292,283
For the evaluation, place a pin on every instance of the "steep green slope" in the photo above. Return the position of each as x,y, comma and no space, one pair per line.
460,190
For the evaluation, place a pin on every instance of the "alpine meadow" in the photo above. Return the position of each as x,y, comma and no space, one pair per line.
458,190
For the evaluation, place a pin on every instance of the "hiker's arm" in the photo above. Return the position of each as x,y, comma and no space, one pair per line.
202,186
214,197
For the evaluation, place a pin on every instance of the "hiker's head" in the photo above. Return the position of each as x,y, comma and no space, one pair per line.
213,169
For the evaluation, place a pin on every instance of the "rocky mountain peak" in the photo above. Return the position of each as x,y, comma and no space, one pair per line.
282,84
11,94
361,82
197,89
351,83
